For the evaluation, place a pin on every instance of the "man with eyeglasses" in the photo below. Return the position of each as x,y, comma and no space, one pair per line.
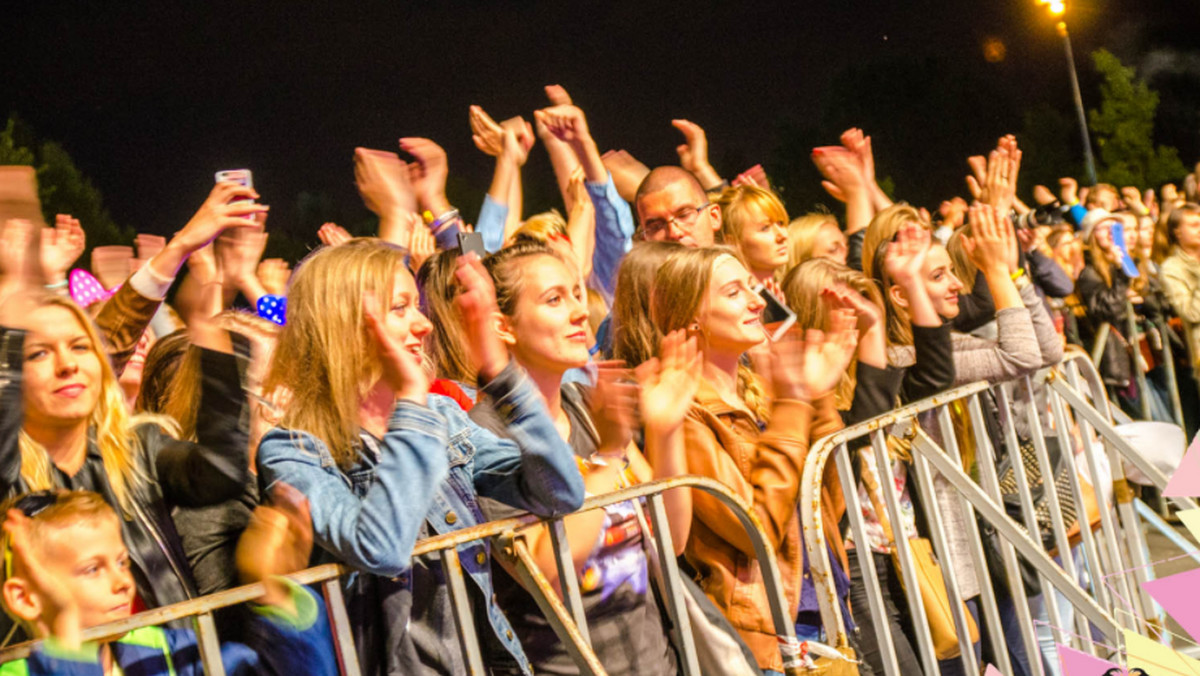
673,207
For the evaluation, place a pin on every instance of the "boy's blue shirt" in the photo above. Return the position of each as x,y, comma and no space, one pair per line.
277,644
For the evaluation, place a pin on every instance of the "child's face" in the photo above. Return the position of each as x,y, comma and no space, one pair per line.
90,558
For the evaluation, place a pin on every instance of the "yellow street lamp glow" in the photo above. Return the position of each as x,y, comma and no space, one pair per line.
1057,7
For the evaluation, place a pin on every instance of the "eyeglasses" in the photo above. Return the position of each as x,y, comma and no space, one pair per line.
684,217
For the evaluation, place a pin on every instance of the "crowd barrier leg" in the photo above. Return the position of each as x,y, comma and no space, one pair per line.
571,633
1136,358
912,589
460,605
986,461
987,594
567,578
866,564
209,644
1099,344
1169,371
339,625
673,590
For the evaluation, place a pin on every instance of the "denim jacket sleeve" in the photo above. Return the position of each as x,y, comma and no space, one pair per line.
614,233
375,532
534,469
12,354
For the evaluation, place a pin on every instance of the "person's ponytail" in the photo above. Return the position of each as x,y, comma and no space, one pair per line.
754,395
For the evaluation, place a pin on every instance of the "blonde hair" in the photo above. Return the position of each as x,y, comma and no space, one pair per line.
634,335
677,299
444,346
964,269
802,235
803,286
113,427
543,226
740,204
67,508
324,355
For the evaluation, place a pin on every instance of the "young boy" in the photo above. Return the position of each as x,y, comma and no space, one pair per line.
66,569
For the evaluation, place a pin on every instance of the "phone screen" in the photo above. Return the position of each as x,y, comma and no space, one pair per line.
777,318
471,241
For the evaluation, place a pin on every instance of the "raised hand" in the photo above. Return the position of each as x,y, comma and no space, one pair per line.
566,122
226,207
614,406
754,176
669,383
477,307
421,246
110,264
842,170
810,368
277,542
401,369
626,171
383,182
428,173
991,246
995,182
1068,190
62,245
239,252
693,153
905,256
149,245
332,234
273,274
20,271
1043,196
487,134
1133,199
872,335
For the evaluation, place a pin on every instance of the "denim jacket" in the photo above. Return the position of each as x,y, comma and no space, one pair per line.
426,473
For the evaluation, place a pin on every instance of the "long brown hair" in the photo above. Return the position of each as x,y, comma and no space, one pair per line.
679,294
444,346
324,356
635,337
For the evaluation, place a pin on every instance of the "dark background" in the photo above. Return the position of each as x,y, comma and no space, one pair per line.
151,98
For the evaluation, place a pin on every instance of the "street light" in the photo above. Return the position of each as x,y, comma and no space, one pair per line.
1057,8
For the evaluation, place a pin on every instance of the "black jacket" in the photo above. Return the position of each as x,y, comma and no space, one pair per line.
173,472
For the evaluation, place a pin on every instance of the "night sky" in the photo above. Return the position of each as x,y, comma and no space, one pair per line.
151,98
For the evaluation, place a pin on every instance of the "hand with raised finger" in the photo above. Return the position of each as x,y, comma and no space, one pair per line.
669,383
477,308
402,370
62,245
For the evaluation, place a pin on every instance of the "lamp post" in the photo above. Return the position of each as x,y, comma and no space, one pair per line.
1057,8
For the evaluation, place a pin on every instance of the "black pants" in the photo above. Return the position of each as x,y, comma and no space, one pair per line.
898,623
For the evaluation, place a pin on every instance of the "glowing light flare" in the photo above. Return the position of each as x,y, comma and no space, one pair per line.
1057,7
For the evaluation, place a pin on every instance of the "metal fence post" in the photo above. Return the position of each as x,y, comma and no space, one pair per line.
460,605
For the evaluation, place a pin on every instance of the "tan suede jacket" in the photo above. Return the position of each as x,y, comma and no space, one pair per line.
122,321
764,468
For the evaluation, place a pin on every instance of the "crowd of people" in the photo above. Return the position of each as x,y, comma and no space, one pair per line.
442,374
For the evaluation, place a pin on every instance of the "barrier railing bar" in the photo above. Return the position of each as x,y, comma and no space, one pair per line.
866,563
339,626
1136,357
991,609
209,644
937,536
1091,552
1050,485
1018,539
673,591
986,462
1100,342
1093,418
912,588
567,578
569,632
1166,530
460,606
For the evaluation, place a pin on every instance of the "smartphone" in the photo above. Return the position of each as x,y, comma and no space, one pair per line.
471,241
777,318
239,176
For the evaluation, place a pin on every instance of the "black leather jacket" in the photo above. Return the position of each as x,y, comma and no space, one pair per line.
172,472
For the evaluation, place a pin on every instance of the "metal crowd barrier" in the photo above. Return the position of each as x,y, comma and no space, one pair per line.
1099,578
1165,334
566,615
